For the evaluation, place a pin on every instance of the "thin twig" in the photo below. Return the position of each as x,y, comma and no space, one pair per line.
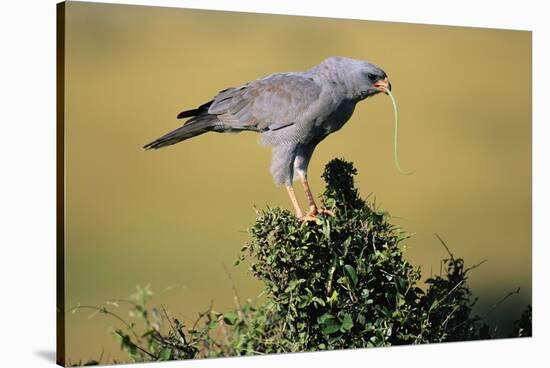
172,287
438,302
207,312
388,273
139,348
444,324
172,326
445,245
475,266
105,311
101,355
236,294
118,300
494,306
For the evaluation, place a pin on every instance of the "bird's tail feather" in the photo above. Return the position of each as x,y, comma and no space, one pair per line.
192,128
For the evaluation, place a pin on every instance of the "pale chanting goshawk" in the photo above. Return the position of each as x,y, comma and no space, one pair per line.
292,111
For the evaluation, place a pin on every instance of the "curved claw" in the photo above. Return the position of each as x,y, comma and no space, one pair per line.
308,218
314,213
324,211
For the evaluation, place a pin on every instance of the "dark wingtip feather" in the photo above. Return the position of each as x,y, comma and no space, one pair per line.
194,112
193,127
199,124
151,145
188,113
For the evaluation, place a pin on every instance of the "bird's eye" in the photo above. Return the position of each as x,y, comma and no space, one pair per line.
372,77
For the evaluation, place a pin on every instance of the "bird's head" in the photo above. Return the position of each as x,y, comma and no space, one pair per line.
372,80
360,78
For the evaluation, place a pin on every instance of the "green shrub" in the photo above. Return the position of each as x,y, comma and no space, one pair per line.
340,282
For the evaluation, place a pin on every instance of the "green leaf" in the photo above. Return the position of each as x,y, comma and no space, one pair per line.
402,284
400,302
165,354
329,323
293,284
324,317
326,229
347,323
148,333
132,350
333,297
230,318
346,245
352,274
318,300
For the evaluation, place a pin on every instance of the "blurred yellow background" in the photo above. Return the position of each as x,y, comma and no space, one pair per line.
174,217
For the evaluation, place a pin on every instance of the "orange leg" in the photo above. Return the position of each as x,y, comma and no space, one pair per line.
313,209
294,201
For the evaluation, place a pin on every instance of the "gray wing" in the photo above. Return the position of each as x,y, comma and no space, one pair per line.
271,103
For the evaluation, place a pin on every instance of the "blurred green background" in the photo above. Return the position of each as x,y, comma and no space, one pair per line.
174,217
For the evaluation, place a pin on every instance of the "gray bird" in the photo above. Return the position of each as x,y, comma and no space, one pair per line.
292,111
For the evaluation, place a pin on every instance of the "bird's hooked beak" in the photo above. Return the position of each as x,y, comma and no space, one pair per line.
383,85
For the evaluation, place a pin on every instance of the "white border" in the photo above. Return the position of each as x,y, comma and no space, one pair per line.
27,178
